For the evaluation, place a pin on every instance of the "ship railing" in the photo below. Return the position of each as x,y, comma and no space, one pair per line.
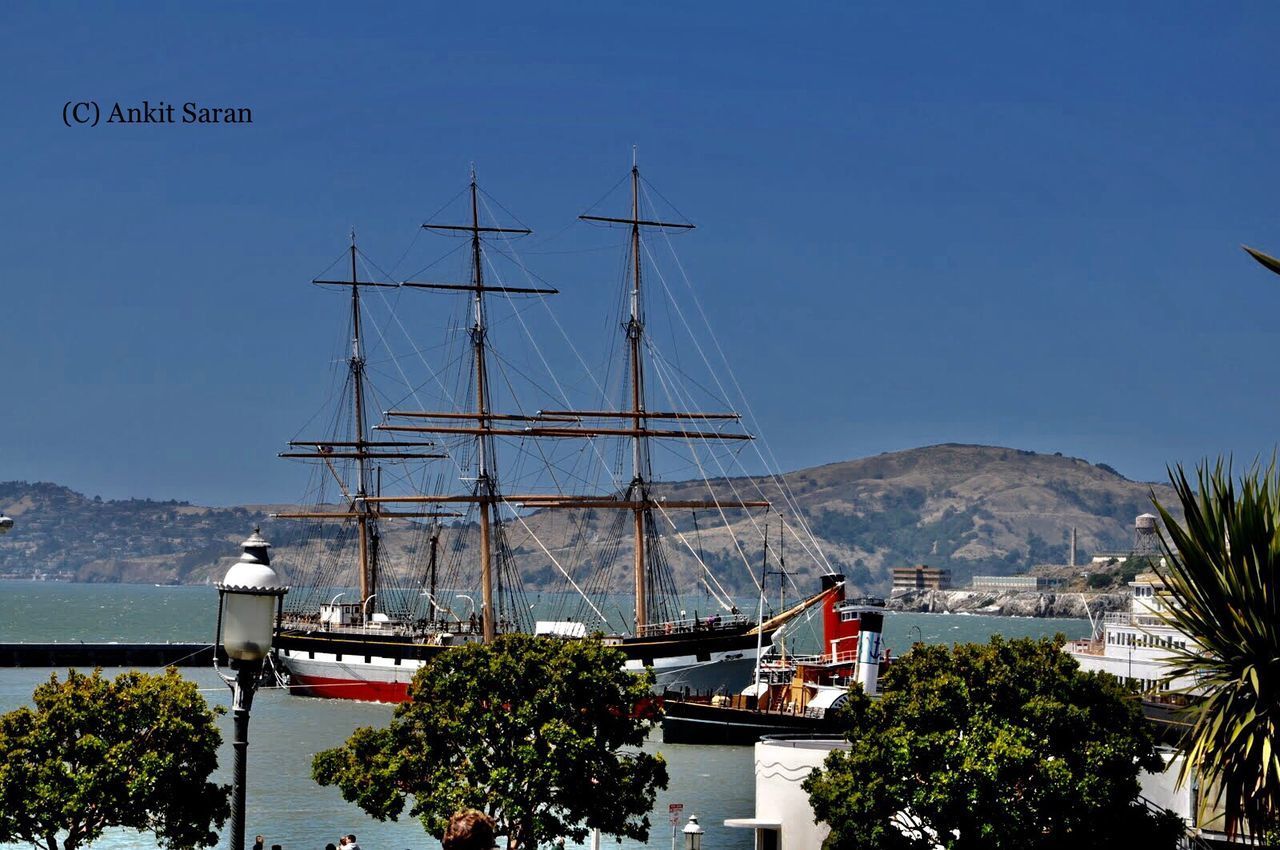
716,622
312,622
1128,618
844,656
1190,839
748,702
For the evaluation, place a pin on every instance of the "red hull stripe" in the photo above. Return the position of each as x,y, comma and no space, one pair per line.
321,686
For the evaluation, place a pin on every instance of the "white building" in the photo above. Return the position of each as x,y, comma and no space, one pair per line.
784,818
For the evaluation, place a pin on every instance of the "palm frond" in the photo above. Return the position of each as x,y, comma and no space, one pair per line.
1266,260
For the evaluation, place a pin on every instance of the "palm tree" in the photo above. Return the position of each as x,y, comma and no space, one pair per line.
1223,576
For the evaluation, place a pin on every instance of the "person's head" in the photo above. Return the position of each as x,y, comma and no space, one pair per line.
351,839
330,846
259,839
469,830
342,841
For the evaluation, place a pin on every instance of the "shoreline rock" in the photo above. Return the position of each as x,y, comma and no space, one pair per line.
1008,603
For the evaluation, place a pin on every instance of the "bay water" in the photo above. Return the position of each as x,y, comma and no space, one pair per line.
713,782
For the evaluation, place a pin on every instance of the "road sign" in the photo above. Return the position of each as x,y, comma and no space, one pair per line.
675,809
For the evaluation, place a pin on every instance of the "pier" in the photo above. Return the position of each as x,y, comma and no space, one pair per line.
81,654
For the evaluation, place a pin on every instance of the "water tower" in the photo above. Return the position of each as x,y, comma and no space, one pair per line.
1146,538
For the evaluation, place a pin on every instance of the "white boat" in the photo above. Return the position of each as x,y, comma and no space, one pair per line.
1134,645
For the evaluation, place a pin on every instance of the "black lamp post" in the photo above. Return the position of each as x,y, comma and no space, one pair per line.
249,599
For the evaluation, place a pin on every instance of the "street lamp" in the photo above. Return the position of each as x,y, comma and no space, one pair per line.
249,599
692,834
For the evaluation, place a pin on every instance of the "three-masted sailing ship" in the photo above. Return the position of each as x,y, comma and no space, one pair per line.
369,646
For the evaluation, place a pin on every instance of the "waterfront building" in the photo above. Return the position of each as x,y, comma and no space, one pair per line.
1000,584
923,577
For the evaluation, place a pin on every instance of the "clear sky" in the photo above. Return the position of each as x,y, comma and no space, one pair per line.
1013,224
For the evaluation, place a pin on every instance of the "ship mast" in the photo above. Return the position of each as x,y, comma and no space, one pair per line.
366,526
485,494
641,467
485,486
366,510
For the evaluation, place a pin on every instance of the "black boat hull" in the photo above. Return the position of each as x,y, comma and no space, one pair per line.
700,723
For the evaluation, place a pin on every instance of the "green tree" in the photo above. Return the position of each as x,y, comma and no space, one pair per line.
999,745
528,730
135,752
1223,578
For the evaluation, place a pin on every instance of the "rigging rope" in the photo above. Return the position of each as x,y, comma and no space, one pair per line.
771,464
814,552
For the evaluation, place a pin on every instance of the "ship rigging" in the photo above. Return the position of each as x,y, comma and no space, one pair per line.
378,641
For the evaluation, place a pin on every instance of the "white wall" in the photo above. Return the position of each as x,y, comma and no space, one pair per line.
781,766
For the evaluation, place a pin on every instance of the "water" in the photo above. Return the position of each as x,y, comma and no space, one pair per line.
49,611
285,732
59,611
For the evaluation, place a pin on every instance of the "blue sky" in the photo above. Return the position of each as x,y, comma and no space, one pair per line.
918,223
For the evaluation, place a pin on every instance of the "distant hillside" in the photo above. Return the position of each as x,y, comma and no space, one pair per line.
970,508
973,509
60,531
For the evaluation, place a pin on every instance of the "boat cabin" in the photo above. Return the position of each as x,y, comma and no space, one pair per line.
341,613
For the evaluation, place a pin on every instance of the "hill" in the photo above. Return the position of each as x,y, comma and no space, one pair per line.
973,509
63,533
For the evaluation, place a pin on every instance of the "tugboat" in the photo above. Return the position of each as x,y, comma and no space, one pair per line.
799,694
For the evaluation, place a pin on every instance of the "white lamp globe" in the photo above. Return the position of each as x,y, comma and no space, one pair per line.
249,592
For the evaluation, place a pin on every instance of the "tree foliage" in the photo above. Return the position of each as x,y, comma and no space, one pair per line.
999,745
135,752
1223,576
528,730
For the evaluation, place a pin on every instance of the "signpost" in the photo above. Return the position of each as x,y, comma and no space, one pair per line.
675,810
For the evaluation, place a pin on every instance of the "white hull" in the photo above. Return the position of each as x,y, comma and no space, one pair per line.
381,679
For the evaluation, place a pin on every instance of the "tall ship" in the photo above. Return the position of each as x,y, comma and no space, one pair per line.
361,621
